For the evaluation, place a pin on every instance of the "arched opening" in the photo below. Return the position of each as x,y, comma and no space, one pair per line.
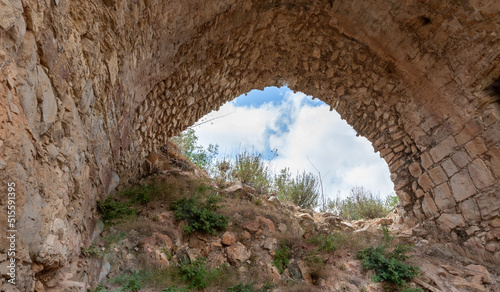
291,130
411,119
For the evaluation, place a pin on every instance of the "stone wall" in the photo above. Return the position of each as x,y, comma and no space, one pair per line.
89,88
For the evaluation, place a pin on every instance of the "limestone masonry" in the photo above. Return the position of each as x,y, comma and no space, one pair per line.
90,88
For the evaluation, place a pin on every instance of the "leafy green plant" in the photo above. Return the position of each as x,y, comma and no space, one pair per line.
388,263
131,282
167,253
302,190
197,275
251,169
187,142
99,288
332,241
92,250
175,289
113,209
282,257
141,194
410,289
200,216
250,287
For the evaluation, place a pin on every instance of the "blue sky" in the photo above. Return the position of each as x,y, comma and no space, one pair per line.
304,131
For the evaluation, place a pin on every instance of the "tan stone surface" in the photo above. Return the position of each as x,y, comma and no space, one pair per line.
462,186
444,199
91,88
480,174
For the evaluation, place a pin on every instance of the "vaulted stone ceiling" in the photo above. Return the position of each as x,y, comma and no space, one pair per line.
90,88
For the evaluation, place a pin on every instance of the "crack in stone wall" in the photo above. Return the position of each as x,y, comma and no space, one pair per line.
89,88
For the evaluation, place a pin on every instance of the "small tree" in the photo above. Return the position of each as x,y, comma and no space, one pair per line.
187,142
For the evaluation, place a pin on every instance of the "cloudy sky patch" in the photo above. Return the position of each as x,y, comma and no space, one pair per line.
304,131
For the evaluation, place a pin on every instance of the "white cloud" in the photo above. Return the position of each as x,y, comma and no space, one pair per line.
312,132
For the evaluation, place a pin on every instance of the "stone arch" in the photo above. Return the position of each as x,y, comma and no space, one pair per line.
93,86
432,126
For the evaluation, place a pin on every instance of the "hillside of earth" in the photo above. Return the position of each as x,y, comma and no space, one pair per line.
176,230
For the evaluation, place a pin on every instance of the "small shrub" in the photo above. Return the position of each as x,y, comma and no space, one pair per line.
114,238
197,275
282,257
98,288
167,253
187,143
200,216
332,241
252,170
249,287
257,201
130,282
301,190
112,209
342,266
92,250
175,289
360,204
141,194
410,289
388,263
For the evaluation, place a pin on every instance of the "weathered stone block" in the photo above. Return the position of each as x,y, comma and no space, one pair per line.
438,175
461,159
476,147
481,175
443,197
443,149
415,169
462,186
447,222
488,205
425,182
471,130
449,167
426,160
470,211
492,136
428,206
494,155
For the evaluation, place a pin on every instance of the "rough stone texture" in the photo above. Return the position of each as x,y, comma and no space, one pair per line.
228,238
108,82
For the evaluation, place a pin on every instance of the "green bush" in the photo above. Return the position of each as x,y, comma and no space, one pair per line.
131,282
92,250
252,170
388,263
112,209
249,287
187,142
330,242
302,190
175,289
282,257
362,204
200,216
197,275
141,194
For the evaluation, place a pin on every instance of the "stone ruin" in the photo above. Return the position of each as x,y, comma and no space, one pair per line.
90,88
